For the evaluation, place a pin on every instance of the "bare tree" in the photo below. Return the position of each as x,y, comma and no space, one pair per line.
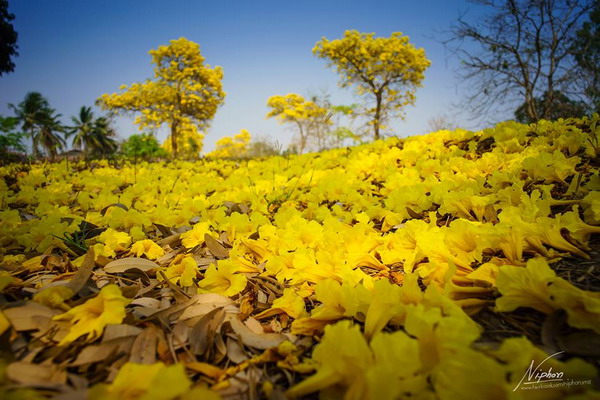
441,122
518,52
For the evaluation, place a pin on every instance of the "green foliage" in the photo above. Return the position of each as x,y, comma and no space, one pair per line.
143,146
561,107
8,43
10,139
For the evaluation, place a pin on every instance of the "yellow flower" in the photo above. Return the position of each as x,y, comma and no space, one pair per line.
337,301
387,350
290,303
4,324
182,271
6,279
486,272
469,374
90,318
144,382
54,297
112,241
343,357
148,248
385,305
538,287
224,280
525,286
582,307
195,236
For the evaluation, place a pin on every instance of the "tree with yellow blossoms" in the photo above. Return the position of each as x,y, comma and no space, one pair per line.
232,147
387,69
184,94
309,117
189,142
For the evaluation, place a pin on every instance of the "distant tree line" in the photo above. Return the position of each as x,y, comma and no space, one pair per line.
36,121
541,55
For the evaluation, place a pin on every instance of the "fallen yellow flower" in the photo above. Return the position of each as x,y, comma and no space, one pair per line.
90,318
148,248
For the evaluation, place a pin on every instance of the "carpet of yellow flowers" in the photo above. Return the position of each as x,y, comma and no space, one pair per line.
449,265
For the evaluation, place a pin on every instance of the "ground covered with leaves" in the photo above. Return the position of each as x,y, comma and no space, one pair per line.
438,266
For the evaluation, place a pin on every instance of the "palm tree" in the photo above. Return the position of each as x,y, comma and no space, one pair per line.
31,112
93,135
104,136
83,126
47,135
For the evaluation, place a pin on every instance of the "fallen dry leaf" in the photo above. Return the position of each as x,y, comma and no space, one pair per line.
22,318
123,264
44,375
144,346
202,335
215,247
255,340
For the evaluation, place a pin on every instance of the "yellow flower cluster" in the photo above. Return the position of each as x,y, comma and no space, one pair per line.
235,146
417,233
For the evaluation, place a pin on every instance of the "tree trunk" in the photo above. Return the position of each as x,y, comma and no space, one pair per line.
377,119
174,132
34,148
532,110
302,138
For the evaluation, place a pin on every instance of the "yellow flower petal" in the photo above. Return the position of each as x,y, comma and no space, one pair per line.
224,280
90,318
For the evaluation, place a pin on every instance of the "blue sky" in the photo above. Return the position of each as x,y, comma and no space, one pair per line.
74,51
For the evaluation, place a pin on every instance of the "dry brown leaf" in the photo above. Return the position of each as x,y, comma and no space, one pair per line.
170,240
21,318
114,331
123,264
206,303
180,334
172,290
44,324
172,312
257,341
202,335
235,352
203,261
243,385
254,326
120,205
36,374
167,258
220,349
83,273
148,302
95,353
215,247
144,347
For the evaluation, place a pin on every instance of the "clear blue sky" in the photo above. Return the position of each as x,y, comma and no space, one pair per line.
73,51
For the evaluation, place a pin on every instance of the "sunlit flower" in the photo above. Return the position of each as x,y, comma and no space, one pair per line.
90,318
223,279
148,248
